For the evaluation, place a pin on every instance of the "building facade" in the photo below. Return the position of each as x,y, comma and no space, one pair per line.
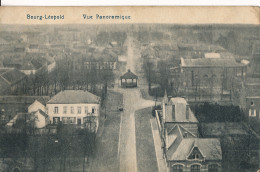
74,107
183,149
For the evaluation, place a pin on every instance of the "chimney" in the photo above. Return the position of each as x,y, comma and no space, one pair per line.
169,98
187,111
173,112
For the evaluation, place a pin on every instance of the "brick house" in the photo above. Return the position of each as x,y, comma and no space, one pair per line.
211,77
182,146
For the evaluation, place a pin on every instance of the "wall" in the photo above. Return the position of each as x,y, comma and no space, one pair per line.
36,106
50,111
187,165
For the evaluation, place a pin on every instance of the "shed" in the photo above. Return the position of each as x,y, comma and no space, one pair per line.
129,79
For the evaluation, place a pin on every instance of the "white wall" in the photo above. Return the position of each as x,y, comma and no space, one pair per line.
50,111
36,106
40,120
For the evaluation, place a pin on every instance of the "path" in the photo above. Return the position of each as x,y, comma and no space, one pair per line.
132,102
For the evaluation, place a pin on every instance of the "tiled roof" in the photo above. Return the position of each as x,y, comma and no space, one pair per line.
180,111
129,75
209,62
74,97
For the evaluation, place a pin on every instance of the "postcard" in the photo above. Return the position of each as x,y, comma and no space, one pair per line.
127,89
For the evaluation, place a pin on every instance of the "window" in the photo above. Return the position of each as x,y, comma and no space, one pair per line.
56,110
56,120
86,109
65,109
177,168
252,112
213,168
195,168
79,110
93,110
72,110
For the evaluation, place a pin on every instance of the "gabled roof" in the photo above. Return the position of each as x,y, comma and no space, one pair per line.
209,62
129,75
74,97
13,76
180,111
4,85
21,99
181,142
210,149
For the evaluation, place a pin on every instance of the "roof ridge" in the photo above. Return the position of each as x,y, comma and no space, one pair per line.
5,79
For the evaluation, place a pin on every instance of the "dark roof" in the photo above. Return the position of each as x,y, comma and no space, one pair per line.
74,97
43,99
129,75
22,99
4,86
204,62
36,64
13,76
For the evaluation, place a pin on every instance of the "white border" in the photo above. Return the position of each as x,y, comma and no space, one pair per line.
130,3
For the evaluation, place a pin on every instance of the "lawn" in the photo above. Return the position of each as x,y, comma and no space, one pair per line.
145,151
105,158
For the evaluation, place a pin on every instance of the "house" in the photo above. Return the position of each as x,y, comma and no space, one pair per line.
37,119
256,59
35,106
183,149
211,77
75,107
129,79
253,106
11,105
101,59
13,81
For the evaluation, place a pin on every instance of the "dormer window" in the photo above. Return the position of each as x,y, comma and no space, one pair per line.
195,154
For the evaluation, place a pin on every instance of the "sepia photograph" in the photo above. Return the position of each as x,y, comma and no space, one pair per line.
128,96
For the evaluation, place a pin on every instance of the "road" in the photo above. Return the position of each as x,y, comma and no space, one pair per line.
132,102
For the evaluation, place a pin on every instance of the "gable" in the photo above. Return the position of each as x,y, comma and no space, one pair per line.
36,106
195,154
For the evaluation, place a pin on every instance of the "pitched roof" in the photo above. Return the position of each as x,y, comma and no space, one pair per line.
21,99
129,75
181,142
4,85
210,149
209,62
74,97
13,76
180,111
